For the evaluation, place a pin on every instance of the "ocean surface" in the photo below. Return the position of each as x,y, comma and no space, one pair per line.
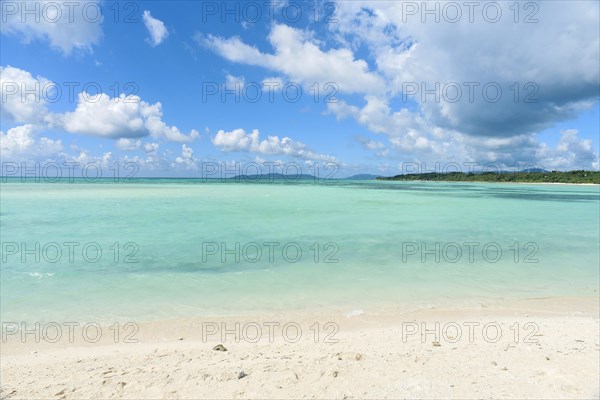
155,248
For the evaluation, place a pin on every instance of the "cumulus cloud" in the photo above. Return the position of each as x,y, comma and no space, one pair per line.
537,57
239,140
156,28
186,159
106,117
21,143
150,147
571,152
415,139
527,61
121,117
25,143
290,45
65,26
84,157
530,63
128,144
377,116
99,115
22,99
132,144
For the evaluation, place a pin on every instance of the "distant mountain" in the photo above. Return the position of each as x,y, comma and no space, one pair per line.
362,177
273,177
293,177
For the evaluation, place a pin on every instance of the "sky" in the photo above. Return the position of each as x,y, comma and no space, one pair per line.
187,88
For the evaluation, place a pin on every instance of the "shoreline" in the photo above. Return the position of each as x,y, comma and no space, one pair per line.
385,354
164,329
490,182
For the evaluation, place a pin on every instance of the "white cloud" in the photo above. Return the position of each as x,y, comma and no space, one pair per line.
239,140
414,138
65,25
150,147
571,152
411,51
98,115
186,159
291,45
377,115
84,157
186,152
20,143
21,93
120,117
106,117
406,51
23,144
156,28
128,144
132,144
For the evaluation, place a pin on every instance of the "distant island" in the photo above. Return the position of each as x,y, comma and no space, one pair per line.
362,177
299,177
523,177
273,177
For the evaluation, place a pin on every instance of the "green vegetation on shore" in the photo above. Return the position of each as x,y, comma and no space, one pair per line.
526,177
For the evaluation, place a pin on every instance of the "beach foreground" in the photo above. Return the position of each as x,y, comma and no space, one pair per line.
535,348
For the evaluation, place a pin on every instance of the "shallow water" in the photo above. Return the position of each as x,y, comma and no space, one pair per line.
362,244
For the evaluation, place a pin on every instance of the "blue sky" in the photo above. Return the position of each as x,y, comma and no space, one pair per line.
371,54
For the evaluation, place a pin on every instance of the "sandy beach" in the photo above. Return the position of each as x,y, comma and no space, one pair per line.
536,348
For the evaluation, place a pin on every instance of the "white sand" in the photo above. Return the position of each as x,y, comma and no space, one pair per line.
371,360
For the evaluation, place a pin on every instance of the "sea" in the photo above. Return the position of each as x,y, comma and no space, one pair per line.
153,249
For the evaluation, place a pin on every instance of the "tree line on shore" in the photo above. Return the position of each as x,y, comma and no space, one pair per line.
579,176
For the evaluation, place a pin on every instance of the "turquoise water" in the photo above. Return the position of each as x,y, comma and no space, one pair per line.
175,231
